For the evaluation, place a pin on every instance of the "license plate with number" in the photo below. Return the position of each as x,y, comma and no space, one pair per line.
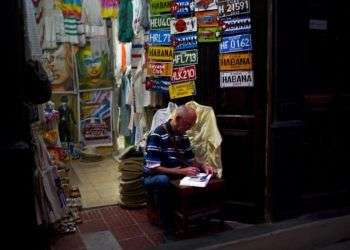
185,41
236,43
159,68
202,5
183,25
236,25
160,53
235,61
159,37
183,89
160,6
185,57
158,84
186,73
207,18
233,79
182,8
160,22
233,7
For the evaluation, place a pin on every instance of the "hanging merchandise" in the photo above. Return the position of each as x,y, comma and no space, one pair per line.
203,5
182,8
233,8
160,6
91,13
182,89
71,9
126,33
109,8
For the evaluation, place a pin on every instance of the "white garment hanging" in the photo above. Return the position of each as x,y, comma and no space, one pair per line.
162,115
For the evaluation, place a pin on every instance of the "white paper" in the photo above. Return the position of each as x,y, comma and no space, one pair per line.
199,180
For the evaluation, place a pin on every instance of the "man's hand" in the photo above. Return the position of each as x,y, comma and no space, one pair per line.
207,169
189,171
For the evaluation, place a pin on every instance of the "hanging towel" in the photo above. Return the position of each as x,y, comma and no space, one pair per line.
109,8
126,33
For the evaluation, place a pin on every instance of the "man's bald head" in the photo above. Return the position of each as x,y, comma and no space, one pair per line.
185,118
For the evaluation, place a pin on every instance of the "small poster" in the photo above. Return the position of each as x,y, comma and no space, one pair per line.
182,89
235,61
94,71
159,68
231,79
160,85
95,117
209,34
202,5
160,6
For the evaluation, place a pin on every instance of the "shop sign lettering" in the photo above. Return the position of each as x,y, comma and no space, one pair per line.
182,8
202,5
236,25
185,73
235,61
185,41
183,25
207,18
160,53
160,6
209,34
159,68
183,89
158,84
232,79
159,37
160,22
186,57
236,43
233,7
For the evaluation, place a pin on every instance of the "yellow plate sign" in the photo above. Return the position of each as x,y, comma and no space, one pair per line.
235,61
160,69
183,89
160,53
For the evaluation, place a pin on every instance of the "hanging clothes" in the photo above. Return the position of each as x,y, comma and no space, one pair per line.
109,8
162,115
91,13
126,33
205,137
72,9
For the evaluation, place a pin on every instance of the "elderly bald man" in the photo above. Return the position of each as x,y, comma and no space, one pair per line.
169,156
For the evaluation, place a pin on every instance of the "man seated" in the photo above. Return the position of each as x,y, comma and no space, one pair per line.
169,156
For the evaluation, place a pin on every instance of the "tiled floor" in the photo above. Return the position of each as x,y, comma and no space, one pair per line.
98,182
130,228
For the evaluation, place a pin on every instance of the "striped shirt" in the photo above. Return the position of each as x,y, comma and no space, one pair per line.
166,149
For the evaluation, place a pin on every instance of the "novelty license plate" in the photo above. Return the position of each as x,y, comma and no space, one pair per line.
233,79
185,41
207,18
159,37
202,5
186,57
236,25
183,89
158,84
160,53
183,25
209,34
160,22
186,73
233,7
160,6
235,61
159,68
182,8
236,43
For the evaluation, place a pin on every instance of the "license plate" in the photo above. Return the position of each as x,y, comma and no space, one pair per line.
233,7
160,22
159,37
185,41
182,8
159,69
158,84
235,61
207,18
202,5
160,6
209,35
183,89
236,43
183,25
186,57
233,79
186,73
160,53
236,25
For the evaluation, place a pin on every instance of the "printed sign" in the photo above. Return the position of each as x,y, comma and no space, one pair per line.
95,117
183,89
160,6
185,41
209,34
159,69
159,37
186,73
160,22
158,84
235,61
183,25
236,25
233,7
236,43
182,8
202,5
233,79
207,18
186,57
160,53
